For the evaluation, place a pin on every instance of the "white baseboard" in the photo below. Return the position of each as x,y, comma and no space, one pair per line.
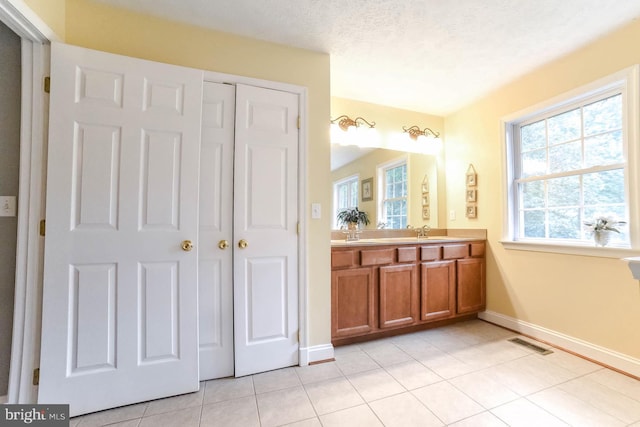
594,352
315,353
3,399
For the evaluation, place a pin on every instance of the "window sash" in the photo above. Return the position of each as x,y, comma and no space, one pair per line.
517,159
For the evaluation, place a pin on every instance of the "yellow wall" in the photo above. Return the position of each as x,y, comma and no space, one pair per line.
593,299
97,26
52,12
389,122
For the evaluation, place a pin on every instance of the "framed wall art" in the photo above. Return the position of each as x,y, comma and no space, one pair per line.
367,189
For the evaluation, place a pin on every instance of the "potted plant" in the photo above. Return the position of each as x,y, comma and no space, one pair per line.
601,227
352,217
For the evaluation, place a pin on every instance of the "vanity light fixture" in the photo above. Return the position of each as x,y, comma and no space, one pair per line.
344,122
415,132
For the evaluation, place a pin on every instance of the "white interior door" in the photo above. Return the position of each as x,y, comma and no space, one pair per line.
265,230
215,273
120,293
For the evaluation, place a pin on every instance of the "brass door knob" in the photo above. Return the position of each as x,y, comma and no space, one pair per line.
186,245
243,244
223,244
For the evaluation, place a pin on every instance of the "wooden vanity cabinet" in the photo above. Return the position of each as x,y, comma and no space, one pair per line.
438,290
353,301
377,290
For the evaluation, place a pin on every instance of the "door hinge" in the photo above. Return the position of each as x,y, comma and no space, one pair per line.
298,335
47,84
43,226
298,122
298,228
36,376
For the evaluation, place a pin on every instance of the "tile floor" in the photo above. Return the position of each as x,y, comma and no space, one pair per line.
464,375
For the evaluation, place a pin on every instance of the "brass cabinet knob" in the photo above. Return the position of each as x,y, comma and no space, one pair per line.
243,244
187,245
223,244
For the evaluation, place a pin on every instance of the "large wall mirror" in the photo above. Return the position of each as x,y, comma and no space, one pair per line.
353,166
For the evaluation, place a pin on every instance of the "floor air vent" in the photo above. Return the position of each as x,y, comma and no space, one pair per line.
530,346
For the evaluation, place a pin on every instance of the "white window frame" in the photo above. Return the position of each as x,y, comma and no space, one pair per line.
380,176
629,82
336,184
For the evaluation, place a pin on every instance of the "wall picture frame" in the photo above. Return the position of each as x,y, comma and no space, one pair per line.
472,176
472,195
426,212
472,212
367,189
425,199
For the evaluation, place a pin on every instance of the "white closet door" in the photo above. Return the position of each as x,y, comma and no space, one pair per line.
215,273
265,230
120,293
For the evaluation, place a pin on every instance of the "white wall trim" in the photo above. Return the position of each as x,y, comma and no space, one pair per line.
25,347
594,352
16,15
316,353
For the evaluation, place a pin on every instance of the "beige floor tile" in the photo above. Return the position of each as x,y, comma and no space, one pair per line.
242,412
529,374
189,417
174,403
570,362
413,375
447,403
388,355
284,406
484,419
333,395
419,349
111,416
484,389
572,410
490,354
130,423
616,381
373,385
360,416
311,422
227,389
275,380
447,366
604,398
445,340
320,372
344,349
404,410
523,413
351,363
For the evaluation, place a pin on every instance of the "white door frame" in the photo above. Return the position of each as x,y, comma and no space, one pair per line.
303,325
25,347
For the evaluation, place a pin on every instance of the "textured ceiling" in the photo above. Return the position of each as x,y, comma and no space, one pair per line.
433,56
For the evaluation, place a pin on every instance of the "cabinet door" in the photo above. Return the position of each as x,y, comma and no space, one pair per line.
438,290
398,295
353,300
471,286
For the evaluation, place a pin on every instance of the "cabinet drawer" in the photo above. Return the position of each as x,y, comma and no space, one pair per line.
477,249
430,253
455,251
407,254
341,259
377,256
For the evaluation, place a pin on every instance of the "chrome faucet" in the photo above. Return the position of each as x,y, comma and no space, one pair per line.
424,231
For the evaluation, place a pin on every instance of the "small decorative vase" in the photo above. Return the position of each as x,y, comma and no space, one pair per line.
601,238
352,231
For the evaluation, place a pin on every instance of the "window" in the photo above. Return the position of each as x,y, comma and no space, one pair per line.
345,195
568,164
392,179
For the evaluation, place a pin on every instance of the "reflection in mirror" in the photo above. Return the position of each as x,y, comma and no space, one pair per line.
382,197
